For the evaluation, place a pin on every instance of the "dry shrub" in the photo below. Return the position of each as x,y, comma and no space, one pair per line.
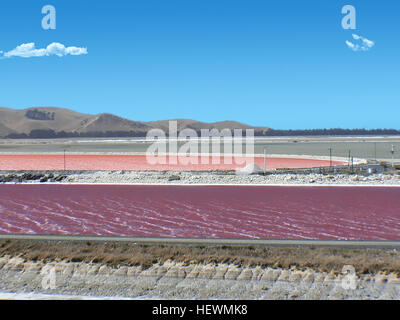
129,254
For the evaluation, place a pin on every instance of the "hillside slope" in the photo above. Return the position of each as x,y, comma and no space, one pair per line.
50,120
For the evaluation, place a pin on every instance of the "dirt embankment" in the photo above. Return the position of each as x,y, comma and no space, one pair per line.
84,269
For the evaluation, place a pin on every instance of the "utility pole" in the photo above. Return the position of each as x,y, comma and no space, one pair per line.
265,160
349,158
392,151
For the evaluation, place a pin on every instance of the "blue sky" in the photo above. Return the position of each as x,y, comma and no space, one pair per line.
282,64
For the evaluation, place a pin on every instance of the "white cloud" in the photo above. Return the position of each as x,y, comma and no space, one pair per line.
364,43
28,50
352,46
368,43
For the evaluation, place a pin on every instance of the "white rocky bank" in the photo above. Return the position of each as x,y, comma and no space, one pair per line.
218,178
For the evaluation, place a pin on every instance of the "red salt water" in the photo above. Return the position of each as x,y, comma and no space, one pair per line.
274,212
139,162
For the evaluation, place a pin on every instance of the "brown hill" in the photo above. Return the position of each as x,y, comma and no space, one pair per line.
26,120
197,125
50,120
4,130
108,122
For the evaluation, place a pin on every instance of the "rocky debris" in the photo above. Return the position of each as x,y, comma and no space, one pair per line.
186,177
193,177
15,263
173,280
32,177
174,177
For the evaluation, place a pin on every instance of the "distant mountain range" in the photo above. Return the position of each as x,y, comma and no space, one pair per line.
51,122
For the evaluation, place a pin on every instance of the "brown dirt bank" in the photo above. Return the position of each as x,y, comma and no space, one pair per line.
365,261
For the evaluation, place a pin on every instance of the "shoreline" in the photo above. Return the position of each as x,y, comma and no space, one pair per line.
204,185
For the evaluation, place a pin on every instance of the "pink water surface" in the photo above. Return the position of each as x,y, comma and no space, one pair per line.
278,212
140,162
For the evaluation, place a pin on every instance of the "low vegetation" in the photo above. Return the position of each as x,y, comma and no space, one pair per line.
117,254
